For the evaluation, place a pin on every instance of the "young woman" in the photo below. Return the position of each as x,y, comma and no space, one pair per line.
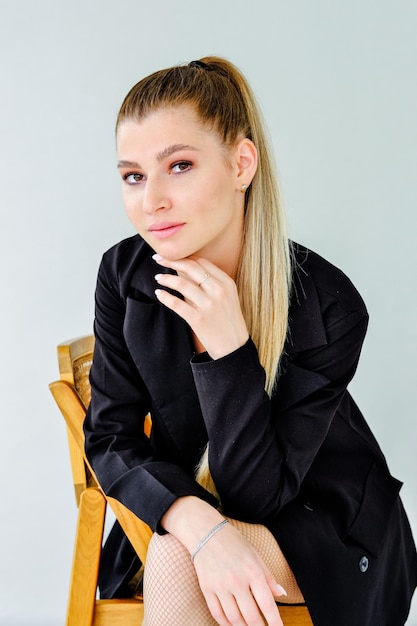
241,346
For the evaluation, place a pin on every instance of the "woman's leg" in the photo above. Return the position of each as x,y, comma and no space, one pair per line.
266,545
171,592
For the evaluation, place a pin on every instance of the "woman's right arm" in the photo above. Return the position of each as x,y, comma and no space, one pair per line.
116,446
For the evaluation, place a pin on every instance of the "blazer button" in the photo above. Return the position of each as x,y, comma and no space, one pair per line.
364,564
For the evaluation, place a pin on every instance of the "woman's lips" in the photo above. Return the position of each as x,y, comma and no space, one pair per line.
165,229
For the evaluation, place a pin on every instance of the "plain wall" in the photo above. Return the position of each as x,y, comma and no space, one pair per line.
337,83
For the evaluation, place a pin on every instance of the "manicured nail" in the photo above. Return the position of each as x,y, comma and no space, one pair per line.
157,277
157,292
281,590
157,257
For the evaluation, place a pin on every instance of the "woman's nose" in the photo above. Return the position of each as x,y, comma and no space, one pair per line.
156,196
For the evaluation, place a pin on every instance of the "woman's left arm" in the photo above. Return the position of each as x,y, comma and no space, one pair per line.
260,448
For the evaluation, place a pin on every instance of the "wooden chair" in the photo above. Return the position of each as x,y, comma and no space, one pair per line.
72,395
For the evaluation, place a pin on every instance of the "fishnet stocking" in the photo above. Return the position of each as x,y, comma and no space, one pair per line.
172,594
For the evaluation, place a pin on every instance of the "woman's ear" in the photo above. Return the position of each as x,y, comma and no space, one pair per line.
246,162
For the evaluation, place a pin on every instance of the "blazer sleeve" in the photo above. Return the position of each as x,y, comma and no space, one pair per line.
116,446
260,448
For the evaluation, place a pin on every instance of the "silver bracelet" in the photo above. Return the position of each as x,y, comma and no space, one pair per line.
207,537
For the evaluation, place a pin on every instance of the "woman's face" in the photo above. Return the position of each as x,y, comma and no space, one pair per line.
181,188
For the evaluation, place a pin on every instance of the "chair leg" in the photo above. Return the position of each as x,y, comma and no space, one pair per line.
86,560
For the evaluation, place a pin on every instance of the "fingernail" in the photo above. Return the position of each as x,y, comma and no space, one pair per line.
157,292
281,590
157,257
157,277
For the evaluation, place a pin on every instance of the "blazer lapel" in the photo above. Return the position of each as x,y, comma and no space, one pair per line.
161,347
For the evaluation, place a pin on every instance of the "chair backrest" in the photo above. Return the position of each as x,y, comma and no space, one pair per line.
74,361
72,394
75,358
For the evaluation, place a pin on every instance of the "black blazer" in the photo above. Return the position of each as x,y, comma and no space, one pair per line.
303,463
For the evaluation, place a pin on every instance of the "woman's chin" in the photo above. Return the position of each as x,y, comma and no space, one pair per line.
173,254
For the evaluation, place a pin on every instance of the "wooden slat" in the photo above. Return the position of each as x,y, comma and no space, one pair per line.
73,411
71,408
138,533
78,467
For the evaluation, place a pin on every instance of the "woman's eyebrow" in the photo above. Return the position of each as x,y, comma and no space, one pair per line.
128,164
165,153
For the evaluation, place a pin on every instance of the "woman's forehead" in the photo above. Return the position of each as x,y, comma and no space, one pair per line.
166,127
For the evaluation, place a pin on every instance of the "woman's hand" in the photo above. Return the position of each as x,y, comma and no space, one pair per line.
238,587
211,304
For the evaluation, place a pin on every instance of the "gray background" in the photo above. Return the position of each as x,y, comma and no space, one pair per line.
337,83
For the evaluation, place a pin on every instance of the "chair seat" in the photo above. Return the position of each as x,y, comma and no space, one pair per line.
295,616
118,613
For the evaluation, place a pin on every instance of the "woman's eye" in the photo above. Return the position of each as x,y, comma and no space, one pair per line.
133,179
181,166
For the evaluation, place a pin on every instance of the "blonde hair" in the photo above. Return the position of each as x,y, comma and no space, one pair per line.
223,100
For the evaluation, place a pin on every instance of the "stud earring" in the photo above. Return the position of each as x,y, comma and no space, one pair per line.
243,188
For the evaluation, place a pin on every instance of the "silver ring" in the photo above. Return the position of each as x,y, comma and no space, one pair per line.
206,275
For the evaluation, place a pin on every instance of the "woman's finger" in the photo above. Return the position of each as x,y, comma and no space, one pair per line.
265,601
244,610
195,299
216,609
233,613
194,268
180,307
